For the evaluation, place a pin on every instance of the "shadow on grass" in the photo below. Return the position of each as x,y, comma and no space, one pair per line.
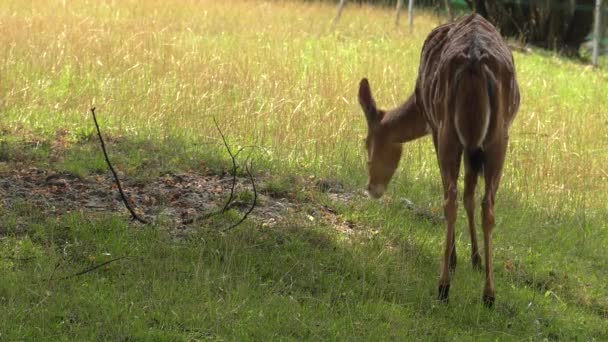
295,280
299,279
558,255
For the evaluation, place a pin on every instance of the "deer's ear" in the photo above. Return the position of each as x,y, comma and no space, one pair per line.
368,104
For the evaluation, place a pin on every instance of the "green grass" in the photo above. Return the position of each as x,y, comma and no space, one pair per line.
294,281
276,76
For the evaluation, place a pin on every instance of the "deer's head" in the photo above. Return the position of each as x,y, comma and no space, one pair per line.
382,155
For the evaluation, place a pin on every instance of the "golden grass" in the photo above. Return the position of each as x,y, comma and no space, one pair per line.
276,74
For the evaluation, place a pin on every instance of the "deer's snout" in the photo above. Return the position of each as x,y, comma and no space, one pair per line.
375,191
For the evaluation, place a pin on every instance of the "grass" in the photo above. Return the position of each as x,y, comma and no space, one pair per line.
275,75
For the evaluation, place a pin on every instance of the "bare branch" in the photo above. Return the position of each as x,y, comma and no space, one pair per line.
234,170
105,154
262,149
255,199
93,268
234,166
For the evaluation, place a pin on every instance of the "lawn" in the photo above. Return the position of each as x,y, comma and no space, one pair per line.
316,260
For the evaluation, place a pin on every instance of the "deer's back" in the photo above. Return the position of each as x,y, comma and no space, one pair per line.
441,55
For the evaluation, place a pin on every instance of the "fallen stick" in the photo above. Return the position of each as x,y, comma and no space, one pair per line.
134,216
93,268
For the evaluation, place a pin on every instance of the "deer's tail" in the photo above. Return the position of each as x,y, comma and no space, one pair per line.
474,159
475,93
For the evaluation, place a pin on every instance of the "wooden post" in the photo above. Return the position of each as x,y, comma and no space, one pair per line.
448,8
397,12
410,14
597,31
340,7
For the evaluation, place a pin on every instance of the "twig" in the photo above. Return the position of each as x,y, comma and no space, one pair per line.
255,199
105,154
234,169
93,268
234,166
250,146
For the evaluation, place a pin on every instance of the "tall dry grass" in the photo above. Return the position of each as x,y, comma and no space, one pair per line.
276,75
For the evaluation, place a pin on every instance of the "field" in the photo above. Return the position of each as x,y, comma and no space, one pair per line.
316,260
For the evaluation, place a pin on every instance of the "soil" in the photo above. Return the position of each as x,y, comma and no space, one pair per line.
179,199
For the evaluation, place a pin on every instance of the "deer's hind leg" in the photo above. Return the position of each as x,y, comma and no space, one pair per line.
470,182
495,157
449,155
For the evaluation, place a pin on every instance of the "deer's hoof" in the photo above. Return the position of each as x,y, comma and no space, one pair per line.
488,299
444,293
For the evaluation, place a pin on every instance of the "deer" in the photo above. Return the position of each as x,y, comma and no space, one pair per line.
466,97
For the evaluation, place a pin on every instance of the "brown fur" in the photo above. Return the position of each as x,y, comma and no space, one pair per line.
466,96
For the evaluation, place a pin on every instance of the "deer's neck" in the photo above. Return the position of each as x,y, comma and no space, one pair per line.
404,123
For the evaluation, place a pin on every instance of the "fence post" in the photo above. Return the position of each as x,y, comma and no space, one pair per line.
397,12
448,8
597,32
340,6
410,14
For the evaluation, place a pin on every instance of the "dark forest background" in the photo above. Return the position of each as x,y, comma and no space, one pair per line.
558,25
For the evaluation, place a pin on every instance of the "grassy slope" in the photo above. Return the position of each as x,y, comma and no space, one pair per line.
275,75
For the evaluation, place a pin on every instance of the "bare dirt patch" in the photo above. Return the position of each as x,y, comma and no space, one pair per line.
178,199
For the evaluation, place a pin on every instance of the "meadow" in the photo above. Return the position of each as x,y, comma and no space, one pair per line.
276,75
